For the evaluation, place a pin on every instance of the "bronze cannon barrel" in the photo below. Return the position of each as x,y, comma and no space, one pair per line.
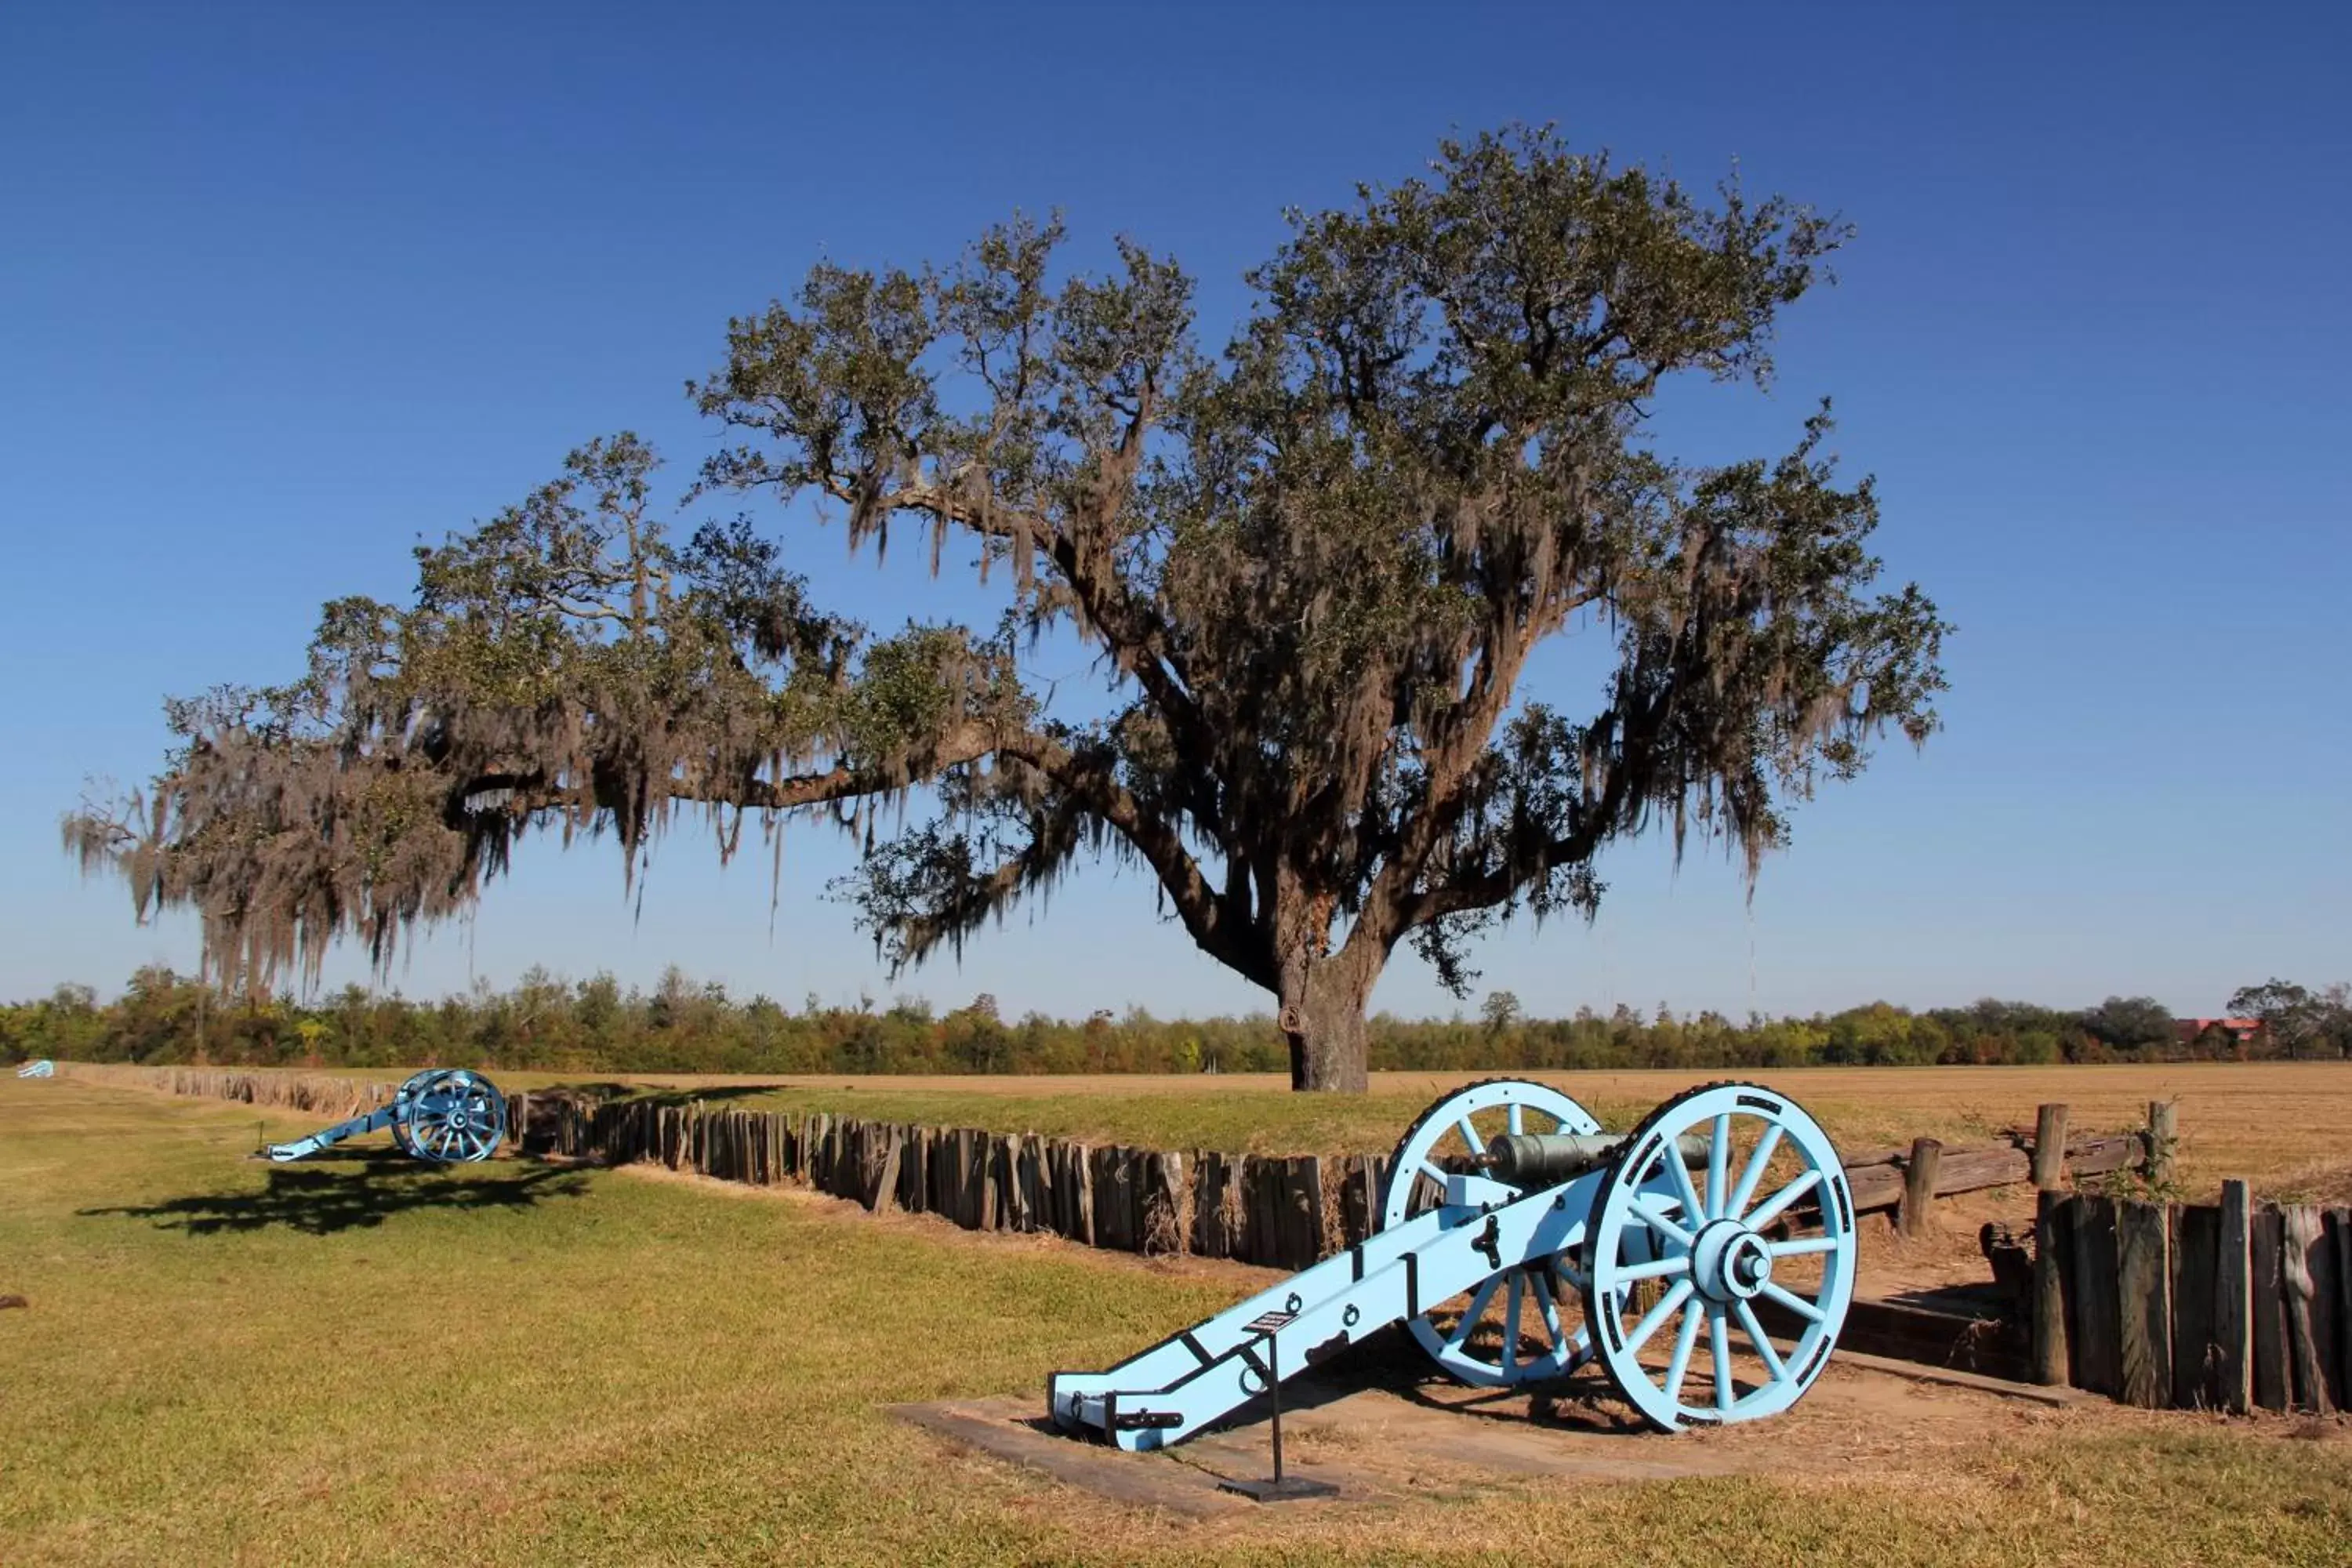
1545,1159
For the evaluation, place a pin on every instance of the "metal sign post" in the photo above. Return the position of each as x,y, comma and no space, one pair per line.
1281,1487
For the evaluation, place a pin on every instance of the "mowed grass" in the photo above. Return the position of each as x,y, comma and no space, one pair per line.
2280,1124
364,1361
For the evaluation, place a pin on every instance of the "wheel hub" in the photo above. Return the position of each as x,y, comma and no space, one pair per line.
1729,1262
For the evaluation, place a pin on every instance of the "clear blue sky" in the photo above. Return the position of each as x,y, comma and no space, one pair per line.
282,289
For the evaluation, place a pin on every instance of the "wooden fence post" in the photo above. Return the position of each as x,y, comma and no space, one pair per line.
2339,1226
2049,1242
1919,1216
2273,1384
2049,1292
2098,1313
2299,1228
2234,1300
2163,1139
2195,1255
2050,1148
2143,1285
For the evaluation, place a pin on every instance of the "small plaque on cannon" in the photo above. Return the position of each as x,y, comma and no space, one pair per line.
1266,1322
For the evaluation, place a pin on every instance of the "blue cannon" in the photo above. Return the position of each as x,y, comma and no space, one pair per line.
42,1068
1705,1260
443,1114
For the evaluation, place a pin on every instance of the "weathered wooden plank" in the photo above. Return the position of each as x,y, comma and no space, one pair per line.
1135,1183
1114,1201
1917,1334
2339,1226
1875,1188
1082,1195
2234,1316
1304,1195
884,1191
1031,1178
2096,1331
1356,1211
2053,1233
2269,1308
2144,1289
2299,1235
1163,1203
2196,1255
1262,1234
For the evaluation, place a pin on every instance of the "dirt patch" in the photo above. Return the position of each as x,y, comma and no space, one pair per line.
1381,1437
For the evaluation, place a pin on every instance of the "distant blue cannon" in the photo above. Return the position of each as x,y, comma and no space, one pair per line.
42,1068
1705,1259
443,1114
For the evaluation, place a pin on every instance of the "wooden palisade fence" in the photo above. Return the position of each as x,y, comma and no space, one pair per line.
1280,1211
2231,1306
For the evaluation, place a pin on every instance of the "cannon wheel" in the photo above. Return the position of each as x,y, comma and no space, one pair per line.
1460,1124
449,1115
1761,1242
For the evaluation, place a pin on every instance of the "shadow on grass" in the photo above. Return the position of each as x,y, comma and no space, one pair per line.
321,1200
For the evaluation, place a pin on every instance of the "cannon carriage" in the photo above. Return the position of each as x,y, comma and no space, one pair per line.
442,1115
1704,1260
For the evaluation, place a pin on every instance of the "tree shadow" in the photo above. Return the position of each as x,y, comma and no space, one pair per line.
319,1200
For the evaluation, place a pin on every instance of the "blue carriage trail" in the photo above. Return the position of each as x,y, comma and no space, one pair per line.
1725,1208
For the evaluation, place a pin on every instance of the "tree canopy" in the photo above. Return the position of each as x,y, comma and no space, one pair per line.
1314,563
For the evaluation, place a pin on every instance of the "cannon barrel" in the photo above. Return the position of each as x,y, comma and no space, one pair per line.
1546,1159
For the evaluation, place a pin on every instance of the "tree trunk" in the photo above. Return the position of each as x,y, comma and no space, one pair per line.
1323,1020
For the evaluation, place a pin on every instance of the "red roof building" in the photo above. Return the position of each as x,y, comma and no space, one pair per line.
2241,1030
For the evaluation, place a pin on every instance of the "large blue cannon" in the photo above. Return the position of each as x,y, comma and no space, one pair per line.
1705,1259
443,1114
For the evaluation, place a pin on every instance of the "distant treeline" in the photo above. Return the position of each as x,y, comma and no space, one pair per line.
596,1025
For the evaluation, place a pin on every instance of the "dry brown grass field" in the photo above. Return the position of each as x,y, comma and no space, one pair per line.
2285,1126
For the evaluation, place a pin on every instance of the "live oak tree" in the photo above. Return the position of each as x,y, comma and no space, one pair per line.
1314,566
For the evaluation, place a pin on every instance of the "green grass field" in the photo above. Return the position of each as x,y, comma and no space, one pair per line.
364,1361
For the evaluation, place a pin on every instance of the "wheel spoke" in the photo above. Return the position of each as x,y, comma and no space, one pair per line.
1433,1171
1718,1335
1661,1269
1719,1157
1754,1173
1550,1310
1756,1336
1680,1365
1801,1244
1471,1314
1661,1224
1511,1320
1772,1207
1676,1294
1797,1304
1694,1212
1518,1119
1470,1135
